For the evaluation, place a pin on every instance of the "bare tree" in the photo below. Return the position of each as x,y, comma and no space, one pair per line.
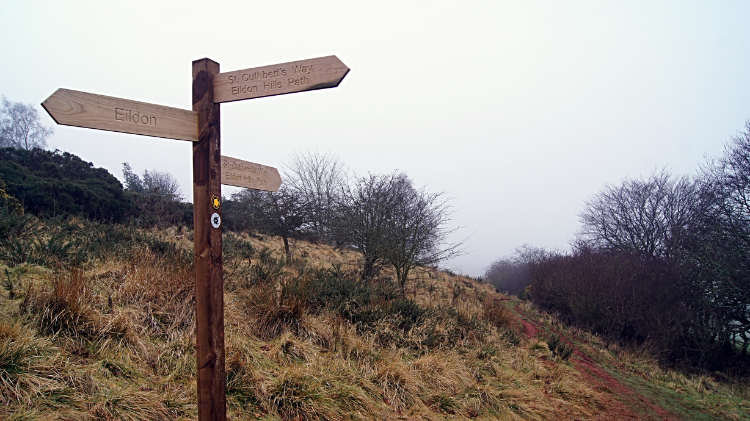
162,184
720,243
512,274
646,216
155,183
728,182
318,180
361,218
158,197
417,232
20,126
281,213
392,223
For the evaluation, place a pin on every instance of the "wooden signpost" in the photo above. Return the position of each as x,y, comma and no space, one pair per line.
202,126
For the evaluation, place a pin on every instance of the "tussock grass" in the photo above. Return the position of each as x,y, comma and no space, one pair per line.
396,383
29,365
129,404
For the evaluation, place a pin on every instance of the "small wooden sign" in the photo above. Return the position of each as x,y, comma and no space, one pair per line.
82,109
278,79
239,173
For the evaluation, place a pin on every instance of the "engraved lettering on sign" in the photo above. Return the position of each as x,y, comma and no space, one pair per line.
251,169
241,172
302,69
279,79
298,82
247,77
274,73
123,114
275,83
244,89
244,178
236,172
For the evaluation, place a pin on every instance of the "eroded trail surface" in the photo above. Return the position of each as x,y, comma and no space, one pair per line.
618,401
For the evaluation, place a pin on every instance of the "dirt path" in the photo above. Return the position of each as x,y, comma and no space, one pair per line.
619,401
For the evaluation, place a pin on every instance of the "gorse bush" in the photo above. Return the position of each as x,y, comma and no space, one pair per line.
9,284
236,248
63,242
279,295
60,183
409,312
17,233
340,293
560,350
284,302
56,249
153,278
266,269
237,254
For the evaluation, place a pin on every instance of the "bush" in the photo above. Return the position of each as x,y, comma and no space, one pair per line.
560,350
409,312
60,183
17,234
626,297
236,248
267,269
340,293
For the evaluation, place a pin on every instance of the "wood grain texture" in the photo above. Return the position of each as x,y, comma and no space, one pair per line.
279,79
209,281
83,109
239,173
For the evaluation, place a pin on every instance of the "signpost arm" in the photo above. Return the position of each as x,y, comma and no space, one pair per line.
209,283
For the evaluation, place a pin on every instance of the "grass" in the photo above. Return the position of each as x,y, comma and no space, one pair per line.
697,396
29,365
109,335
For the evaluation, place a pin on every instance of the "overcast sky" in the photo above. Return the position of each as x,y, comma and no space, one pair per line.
518,110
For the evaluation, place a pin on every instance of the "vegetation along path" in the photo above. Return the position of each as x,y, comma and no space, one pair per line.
630,389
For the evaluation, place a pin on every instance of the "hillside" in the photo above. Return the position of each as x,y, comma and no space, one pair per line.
96,323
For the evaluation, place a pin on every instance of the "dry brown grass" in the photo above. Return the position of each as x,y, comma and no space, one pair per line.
114,339
29,365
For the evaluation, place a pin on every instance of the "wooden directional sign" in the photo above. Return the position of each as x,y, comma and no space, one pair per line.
202,126
82,109
278,79
239,173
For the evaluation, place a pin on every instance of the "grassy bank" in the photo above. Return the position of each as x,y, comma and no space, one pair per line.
100,326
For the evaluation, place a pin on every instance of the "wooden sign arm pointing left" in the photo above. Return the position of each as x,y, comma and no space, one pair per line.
83,109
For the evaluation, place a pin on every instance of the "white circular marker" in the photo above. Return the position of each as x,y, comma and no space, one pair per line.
215,220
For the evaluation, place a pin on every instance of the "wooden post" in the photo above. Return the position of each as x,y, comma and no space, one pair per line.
209,282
